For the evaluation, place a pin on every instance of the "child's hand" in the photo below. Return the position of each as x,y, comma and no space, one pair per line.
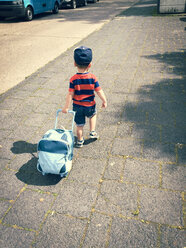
65,110
104,104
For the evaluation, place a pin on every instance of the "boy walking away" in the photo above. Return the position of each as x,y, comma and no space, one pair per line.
83,86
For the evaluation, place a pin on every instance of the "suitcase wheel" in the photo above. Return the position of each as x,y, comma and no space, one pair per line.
63,174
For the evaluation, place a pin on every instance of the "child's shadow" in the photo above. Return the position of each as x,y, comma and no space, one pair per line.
86,142
28,172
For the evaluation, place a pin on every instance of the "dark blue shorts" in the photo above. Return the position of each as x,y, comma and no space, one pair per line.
83,112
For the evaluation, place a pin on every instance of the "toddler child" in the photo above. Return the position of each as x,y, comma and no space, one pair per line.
82,88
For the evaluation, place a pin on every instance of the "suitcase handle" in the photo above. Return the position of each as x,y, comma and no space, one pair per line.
71,112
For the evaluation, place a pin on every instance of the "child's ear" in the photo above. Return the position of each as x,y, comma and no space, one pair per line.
89,65
75,64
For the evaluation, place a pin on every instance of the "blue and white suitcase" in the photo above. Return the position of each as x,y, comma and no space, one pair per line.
55,150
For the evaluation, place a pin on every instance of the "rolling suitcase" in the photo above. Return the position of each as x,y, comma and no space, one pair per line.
55,150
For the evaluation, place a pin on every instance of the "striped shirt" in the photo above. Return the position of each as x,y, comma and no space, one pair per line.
83,85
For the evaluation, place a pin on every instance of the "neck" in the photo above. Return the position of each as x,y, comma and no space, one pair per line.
81,70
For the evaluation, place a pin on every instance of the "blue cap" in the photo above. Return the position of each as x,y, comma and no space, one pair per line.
83,55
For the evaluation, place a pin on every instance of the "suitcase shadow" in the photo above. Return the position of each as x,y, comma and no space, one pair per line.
28,172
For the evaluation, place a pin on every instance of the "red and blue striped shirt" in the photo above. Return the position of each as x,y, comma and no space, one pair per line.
83,85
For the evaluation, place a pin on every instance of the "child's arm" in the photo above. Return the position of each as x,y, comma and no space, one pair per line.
68,102
102,97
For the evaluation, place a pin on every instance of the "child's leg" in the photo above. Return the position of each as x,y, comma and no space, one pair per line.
80,132
92,122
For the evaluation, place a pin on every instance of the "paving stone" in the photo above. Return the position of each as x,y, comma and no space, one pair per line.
76,202
39,80
174,135
23,133
176,107
49,124
99,225
5,113
142,172
161,206
116,97
30,87
4,205
23,213
11,237
130,114
25,109
47,108
21,94
146,132
87,170
132,233
56,82
10,103
181,154
110,118
19,161
36,120
109,201
124,130
127,147
98,149
65,232
173,177
180,120
3,163
43,93
10,123
46,74
31,103
159,152
114,169
108,131
132,98
172,237
8,181
162,118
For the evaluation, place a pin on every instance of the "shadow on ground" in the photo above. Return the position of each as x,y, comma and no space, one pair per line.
28,172
159,116
147,8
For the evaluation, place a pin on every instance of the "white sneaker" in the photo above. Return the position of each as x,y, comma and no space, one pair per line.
94,135
80,143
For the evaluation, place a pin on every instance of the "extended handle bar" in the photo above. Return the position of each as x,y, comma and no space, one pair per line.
71,112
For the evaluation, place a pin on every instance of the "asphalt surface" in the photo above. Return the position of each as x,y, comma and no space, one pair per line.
127,188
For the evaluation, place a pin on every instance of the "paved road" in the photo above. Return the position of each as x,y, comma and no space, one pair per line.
128,188
27,46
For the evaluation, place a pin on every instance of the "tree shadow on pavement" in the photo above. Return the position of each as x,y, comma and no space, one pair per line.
28,172
158,116
147,8
183,19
